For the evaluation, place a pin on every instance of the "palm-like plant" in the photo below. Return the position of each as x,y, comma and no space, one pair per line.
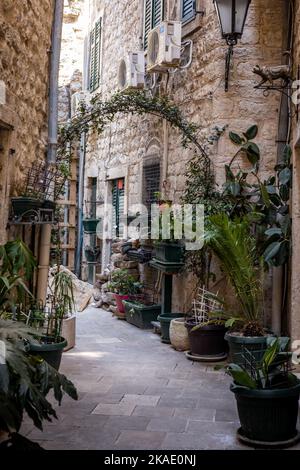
231,241
25,381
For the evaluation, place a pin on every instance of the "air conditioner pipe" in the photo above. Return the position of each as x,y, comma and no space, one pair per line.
45,239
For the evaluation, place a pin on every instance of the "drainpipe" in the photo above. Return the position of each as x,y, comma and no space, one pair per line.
45,240
166,156
80,205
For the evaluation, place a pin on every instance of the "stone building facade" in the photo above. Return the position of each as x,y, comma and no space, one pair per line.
25,42
126,144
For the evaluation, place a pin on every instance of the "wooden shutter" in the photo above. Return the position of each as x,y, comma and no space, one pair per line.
118,203
188,9
151,183
153,15
95,49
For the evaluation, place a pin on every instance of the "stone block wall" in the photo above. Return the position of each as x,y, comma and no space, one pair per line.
25,41
198,91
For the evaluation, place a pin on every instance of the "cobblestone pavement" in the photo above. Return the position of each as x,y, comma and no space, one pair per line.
137,393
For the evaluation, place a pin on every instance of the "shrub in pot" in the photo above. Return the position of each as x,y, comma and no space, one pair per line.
25,382
141,313
124,286
235,247
60,306
167,248
267,396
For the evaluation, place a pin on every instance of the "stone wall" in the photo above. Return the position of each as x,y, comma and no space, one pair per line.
25,41
198,90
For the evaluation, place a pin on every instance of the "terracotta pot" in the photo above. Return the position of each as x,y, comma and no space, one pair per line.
119,302
179,335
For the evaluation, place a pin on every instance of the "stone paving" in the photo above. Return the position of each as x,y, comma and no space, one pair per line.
137,393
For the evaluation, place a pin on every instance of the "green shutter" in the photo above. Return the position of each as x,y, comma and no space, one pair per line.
188,9
153,15
95,50
118,203
158,7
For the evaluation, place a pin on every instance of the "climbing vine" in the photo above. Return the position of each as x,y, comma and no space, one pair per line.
94,117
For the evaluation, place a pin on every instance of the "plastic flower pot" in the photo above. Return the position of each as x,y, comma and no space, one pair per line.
141,315
207,340
21,205
90,225
169,252
119,302
237,343
165,322
268,416
49,351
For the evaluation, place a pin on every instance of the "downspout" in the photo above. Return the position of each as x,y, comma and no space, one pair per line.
45,240
281,273
80,205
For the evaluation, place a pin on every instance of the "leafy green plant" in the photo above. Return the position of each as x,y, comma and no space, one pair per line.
25,381
62,303
123,283
17,264
269,372
266,200
235,247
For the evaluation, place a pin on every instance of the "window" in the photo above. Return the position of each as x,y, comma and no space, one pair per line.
188,10
151,184
118,203
95,55
153,15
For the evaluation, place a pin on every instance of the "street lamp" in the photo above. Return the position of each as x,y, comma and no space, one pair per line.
232,16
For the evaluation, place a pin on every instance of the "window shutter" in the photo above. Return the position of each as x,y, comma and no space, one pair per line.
153,15
95,49
158,7
151,183
118,202
188,9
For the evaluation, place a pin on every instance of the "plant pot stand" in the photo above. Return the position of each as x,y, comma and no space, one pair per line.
198,358
267,445
168,270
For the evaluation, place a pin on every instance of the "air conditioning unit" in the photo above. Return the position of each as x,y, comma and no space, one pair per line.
164,46
132,71
77,99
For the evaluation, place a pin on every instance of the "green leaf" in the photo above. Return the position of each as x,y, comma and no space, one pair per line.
253,152
270,355
251,133
265,195
285,176
284,191
271,251
230,322
241,377
235,138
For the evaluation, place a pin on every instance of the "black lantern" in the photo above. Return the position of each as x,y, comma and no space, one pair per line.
232,16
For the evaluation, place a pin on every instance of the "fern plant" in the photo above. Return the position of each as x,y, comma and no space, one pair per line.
235,247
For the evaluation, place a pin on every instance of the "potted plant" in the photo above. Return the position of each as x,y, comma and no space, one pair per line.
235,247
25,383
123,286
267,396
165,323
141,311
167,250
60,306
206,328
24,204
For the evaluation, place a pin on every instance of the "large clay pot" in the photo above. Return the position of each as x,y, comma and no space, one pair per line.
179,336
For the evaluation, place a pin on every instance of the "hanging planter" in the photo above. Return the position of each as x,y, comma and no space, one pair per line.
90,225
169,252
22,205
